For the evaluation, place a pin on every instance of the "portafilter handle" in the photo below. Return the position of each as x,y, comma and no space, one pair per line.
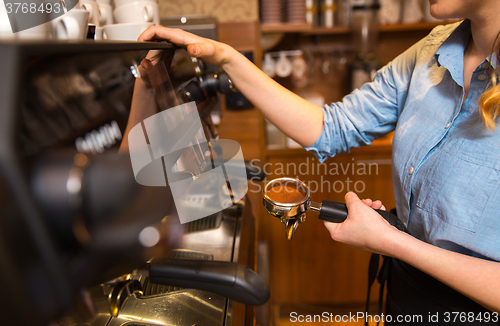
337,213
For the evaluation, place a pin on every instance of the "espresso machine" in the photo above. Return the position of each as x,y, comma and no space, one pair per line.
81,241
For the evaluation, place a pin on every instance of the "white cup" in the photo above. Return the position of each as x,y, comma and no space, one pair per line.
93,8
73,25
138,12
284,66
65,4
299,66
119,3
125,32
6,32
105,14
5,27
40,32
269,65
99,33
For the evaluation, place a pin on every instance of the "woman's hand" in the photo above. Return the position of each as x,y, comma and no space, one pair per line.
279,105
153,58
212,52
364,228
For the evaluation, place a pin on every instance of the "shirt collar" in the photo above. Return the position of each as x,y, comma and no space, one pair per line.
493,60
451,53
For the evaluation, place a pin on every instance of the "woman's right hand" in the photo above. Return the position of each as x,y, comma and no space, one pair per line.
212,52
279,105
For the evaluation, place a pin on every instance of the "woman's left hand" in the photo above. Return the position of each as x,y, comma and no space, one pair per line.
377,204
364,228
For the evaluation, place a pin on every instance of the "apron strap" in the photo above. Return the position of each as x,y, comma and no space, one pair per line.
372,276
381,276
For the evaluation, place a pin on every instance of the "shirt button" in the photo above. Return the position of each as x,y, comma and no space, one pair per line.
411,170
448,125
482,77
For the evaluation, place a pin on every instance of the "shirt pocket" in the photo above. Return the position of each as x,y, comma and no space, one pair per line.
460,181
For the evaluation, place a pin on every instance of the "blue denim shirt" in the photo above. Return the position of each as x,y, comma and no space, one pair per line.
446,165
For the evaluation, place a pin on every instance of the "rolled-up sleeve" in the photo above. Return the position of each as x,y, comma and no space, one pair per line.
367,113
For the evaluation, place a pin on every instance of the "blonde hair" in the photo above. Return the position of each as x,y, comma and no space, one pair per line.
489,102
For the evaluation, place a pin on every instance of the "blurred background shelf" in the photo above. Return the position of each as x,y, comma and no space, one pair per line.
307,29
285,28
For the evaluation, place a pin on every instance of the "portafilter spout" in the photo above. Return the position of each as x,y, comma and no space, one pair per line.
289,199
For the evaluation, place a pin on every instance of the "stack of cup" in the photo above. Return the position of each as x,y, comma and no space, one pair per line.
105,12
296,11
73,25
5,28
93,8
61,25
271,11
105,17
131,18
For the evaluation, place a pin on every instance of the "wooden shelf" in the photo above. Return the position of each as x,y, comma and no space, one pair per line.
285,28
307,29
411,27
328,30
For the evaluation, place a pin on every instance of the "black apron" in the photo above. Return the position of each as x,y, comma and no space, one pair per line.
415,298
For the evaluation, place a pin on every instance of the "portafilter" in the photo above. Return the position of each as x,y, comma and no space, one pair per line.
289,199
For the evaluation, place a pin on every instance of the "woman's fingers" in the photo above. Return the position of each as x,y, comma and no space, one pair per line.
196,45
367,202
202,49
377,204
144,75
174,35
211,51
351,199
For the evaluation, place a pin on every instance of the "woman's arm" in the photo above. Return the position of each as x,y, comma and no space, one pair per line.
282,107
476,278
142,107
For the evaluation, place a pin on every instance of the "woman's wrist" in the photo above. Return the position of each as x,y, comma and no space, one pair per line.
397,244
226,55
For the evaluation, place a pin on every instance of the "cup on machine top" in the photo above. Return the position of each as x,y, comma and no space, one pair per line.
125,31
72,25
137,12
